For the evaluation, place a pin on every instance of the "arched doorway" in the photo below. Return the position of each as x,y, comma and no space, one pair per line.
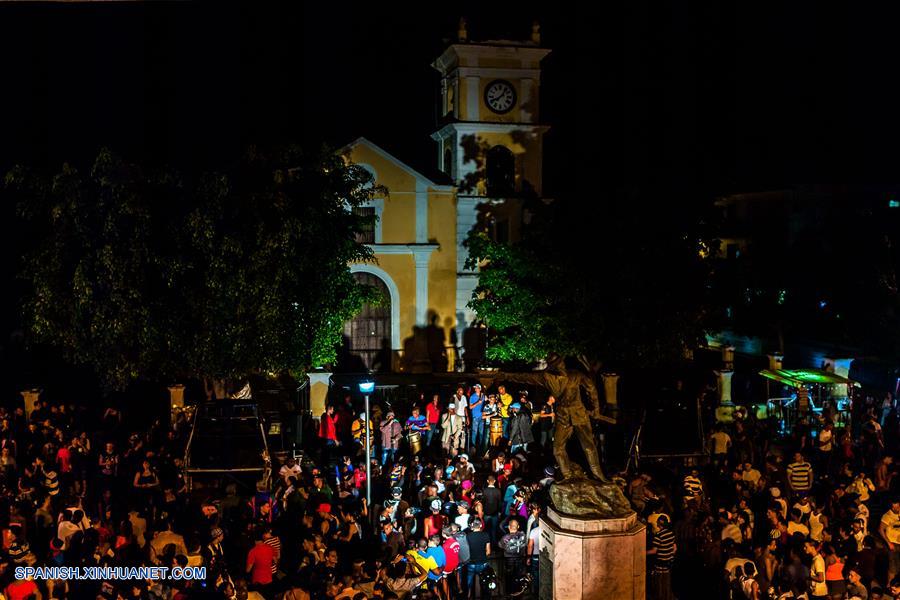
367,336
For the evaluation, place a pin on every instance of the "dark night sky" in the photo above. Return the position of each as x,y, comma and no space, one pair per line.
707,96
741,96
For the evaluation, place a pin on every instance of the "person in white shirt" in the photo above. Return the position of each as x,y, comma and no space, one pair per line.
826,447
750,474
461,405
289,469
462,519
889,528
818,589
69,527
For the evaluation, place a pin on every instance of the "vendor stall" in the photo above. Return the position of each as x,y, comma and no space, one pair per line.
794,393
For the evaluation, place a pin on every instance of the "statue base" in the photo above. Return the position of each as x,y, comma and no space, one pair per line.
580,496
592,558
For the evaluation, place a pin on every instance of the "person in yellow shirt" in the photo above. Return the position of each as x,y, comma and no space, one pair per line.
426,563
505,400
358,430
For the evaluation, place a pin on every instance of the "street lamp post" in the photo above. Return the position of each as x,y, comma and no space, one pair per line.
366,388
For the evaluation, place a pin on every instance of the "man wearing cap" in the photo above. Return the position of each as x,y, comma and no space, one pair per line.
213,554
451,430
391,432
436,521
462,507
467,469
476,405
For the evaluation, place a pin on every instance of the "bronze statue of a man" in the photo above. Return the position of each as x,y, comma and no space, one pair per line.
572,416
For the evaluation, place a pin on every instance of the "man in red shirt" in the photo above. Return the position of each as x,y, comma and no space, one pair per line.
260,561
328,427
433,416
451,552
23,588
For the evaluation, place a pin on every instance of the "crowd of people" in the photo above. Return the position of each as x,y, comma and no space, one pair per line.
453,515
458,487
811,513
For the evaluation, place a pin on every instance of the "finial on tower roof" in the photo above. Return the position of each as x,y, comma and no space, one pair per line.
461,33
536,32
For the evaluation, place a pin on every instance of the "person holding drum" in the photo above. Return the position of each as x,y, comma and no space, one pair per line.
416,426
493,422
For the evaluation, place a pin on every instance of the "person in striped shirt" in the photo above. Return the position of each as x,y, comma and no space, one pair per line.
269,539
662,552
800,474
693,488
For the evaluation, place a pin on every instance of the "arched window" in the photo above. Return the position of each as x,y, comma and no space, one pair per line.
368,334
448,160
500,171
450,98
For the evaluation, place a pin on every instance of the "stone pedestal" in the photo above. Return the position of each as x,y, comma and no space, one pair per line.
592,559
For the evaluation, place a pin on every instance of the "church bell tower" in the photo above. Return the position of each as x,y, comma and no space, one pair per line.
489,139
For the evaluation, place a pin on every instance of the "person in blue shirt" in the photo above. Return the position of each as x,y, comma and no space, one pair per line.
476,406
417,421
509,496
436,551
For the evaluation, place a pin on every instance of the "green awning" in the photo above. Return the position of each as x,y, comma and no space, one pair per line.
798,377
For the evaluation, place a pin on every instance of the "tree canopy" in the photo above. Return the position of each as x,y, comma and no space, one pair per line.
153,274
613,279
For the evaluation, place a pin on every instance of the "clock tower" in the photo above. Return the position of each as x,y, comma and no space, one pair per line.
489,140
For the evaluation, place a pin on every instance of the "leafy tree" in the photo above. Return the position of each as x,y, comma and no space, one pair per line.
153,274
613,281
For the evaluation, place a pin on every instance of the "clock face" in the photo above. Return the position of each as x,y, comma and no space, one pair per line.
500,96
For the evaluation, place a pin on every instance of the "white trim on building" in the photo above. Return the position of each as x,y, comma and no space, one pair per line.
420,179
395,298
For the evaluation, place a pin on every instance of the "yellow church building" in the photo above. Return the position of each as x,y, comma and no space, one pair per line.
488,155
